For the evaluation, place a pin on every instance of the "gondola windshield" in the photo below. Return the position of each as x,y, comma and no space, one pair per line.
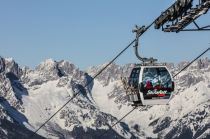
156,83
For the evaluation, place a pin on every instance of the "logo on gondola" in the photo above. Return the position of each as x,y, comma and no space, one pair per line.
156,92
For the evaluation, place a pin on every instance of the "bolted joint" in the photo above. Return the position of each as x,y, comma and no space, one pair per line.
139,30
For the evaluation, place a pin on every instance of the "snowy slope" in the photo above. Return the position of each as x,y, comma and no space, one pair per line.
29,97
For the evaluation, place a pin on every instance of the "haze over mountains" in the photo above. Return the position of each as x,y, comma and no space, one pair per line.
29,97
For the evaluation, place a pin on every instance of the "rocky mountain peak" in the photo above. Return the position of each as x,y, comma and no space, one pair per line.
10,68
113,72
48,64
54,69
2,64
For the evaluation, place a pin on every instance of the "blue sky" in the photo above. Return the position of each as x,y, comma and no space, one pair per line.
90,32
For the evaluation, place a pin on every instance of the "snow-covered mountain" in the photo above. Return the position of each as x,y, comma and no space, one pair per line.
29,97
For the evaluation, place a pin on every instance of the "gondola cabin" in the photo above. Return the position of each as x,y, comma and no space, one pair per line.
149,85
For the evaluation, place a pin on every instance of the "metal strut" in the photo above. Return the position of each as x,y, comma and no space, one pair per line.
198,28
140,30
